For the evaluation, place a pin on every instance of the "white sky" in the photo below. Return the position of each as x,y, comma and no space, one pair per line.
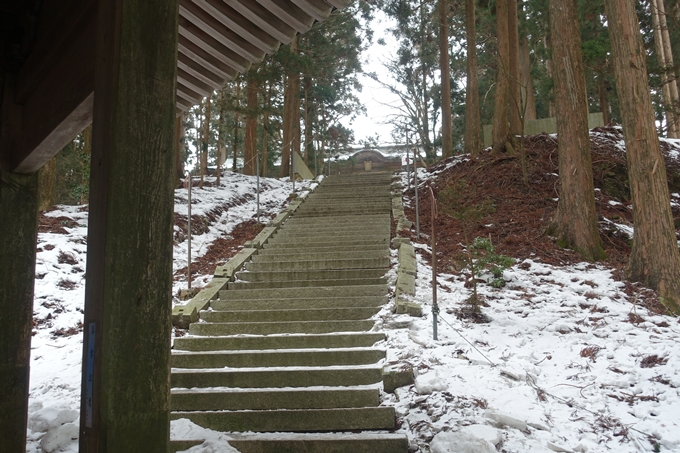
376,98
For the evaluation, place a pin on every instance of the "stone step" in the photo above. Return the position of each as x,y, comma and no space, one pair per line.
305,231
267,399
260,342
295,420
305,314
319,247
305,293
276,358
382,262
330,274
364,202
310,443
340,220
306,283
305,256
268,328
347,237
328,241
317,211
312,303
277,377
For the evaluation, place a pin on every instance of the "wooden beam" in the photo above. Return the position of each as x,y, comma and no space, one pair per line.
318,9
297,18
340,4
220,31
184,104
198,54
237,22
193,33
187,80
125,396
192,67
265,19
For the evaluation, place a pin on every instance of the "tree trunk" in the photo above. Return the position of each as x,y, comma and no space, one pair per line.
447,120
47,179
309,146
527,86
250,150
516,111
473,123
265,125
292,85
602,93
664,58
654,259
221,148
500,112
575,221
205,141
236,123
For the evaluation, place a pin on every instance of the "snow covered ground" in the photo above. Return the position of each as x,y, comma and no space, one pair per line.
568,361
54,399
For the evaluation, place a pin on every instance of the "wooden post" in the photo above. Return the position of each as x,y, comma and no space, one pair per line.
18,234
126,348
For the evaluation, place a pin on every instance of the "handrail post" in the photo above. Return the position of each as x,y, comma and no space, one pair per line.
435,306
189,229
415,184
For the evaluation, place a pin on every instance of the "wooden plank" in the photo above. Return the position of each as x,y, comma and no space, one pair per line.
193,33
219,31
192,82
318,9
340,4
125,406
184,104
188,93
265,19
59,107
239,24
291,14
200,72
198,54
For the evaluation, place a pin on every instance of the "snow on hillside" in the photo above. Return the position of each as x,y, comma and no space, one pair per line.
54,399
568,362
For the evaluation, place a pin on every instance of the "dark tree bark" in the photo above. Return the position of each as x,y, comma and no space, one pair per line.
602,94
516,111
473,123
500,112
654,259
47,176
250,149
575,221
447,121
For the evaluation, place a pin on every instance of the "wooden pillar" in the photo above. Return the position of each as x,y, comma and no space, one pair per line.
18,234
126,347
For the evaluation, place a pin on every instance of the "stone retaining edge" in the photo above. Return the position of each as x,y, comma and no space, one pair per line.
183,315
407,268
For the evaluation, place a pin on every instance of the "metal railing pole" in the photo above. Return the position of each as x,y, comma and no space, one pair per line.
257,166
408,165
189,230
415,184
435,306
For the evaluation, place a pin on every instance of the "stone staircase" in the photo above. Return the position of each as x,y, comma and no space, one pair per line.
284,360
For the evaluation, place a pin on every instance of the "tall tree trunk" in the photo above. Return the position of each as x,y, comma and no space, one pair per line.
516,111
602,94
309,145
670,67
250,150
549,71
500,112
447,120
575,221
265,125
237,118
291,92
654,258
664,55
47,179
221,148
473,142
205,141
527,85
